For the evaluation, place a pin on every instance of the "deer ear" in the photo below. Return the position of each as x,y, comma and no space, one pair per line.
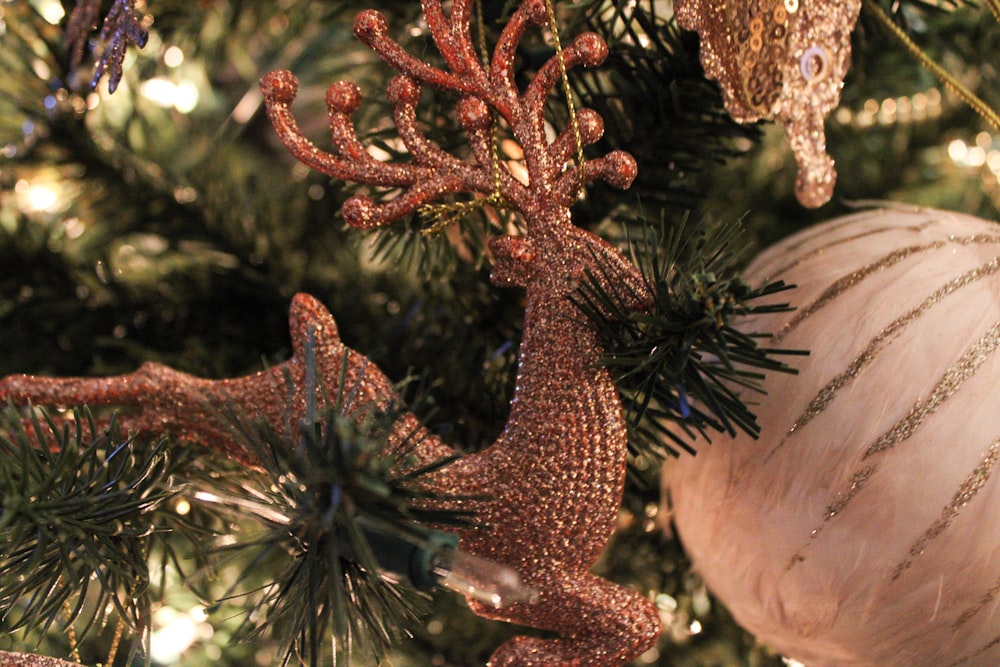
514,260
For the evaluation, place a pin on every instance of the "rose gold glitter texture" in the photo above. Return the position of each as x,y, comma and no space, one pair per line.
782,59
555,475
8,659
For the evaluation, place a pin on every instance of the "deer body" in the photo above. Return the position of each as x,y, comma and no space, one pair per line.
554,477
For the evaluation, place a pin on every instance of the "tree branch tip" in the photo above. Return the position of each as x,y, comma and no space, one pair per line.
279,86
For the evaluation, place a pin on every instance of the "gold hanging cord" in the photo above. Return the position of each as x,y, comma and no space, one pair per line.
443,214
970,98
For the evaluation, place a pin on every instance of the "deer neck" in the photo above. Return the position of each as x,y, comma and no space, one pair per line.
564,399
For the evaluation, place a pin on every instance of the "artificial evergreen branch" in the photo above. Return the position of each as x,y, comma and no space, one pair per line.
77,517
680,362
656,104
330,508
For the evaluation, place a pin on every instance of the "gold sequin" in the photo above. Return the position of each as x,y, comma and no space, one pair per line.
791,70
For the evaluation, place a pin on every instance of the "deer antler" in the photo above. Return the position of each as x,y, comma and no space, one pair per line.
433,173
554,477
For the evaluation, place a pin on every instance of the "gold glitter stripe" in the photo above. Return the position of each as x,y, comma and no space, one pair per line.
966,492
991,644
850,280
824,230
847,239
826,395
857,482
987,598
953,378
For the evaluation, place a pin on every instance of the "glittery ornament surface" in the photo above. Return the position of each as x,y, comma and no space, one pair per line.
8,659
862,528
780,59
555,475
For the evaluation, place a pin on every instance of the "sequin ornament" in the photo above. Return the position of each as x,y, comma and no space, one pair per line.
784,60
554,477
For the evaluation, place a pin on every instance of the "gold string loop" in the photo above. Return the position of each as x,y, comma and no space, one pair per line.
442,214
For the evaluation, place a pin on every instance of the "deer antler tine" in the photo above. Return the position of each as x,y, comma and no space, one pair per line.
404,94
617,169
372,29
342,100
452,38
531,13
591,127
361,212
588,49
280,89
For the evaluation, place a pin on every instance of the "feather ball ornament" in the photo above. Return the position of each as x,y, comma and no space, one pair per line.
784,60
863,526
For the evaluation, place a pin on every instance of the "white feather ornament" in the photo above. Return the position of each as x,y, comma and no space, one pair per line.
863,527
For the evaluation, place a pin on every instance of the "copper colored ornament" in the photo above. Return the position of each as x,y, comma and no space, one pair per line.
9,659
780,59
863,528
555,475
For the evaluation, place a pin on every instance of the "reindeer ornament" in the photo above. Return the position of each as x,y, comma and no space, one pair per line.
555,475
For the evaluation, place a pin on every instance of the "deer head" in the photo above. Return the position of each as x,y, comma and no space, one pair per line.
555,475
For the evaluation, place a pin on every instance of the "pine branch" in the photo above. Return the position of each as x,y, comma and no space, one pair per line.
78,513
681,363
332,513
656,104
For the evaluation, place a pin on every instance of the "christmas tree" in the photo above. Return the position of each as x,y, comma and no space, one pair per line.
152,213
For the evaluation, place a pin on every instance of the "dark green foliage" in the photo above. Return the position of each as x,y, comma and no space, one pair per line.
681,362
322,499
180,237
656,104
78,516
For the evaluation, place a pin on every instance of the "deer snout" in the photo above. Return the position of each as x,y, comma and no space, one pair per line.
515,259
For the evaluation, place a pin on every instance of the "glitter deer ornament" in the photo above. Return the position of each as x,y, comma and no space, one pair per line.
555,475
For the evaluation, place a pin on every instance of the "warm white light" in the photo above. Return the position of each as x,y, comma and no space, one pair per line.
182,507
976,157
51,10
993,161
958,150
158,91
162,92
173,57
174,634
36,197
186,98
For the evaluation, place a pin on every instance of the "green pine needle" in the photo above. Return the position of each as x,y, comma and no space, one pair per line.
681,364
320,495
77,518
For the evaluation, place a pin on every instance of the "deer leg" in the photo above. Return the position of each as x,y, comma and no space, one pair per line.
602,624
155,399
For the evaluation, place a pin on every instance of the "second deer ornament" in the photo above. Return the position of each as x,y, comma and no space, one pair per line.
554,477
